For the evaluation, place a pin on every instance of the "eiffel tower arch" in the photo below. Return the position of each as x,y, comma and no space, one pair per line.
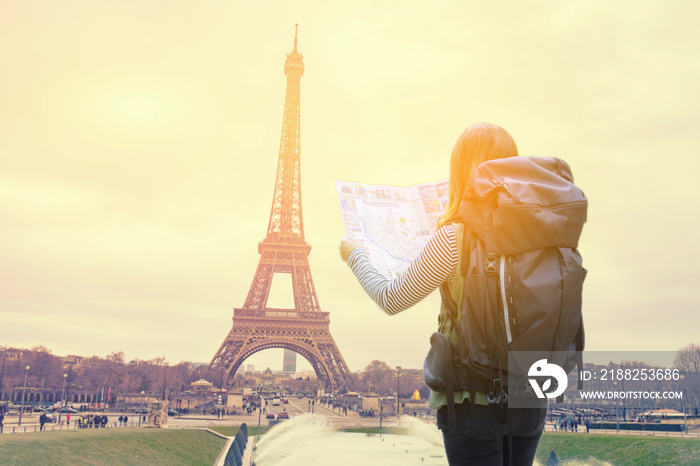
303,329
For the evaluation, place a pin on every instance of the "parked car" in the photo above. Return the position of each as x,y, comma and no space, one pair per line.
285,401
141,411
283,415
270,416
66,409
172,412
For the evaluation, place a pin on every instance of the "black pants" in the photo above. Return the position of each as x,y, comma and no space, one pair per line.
482,434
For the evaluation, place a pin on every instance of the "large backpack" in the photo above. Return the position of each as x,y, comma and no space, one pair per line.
523,217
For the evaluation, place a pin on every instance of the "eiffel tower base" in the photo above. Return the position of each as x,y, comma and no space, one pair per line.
304,332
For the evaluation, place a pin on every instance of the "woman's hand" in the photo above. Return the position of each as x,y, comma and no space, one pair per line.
347,246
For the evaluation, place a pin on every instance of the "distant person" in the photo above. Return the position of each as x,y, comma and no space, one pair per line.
121,420
2,420
482,436
126,421
42,421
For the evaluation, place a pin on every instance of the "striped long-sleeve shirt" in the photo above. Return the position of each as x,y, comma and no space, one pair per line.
436,263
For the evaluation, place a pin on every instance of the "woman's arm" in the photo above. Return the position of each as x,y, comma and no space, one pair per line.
436,263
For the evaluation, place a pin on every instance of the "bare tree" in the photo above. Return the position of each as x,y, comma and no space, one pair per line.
380,376
688,362
46,367
688,358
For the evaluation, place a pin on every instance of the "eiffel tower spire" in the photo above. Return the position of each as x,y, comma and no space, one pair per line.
286,222
305,328
284,249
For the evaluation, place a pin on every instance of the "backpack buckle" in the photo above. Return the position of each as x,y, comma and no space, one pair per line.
497,395
491,263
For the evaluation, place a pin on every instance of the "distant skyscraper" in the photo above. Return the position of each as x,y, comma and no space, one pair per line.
290,361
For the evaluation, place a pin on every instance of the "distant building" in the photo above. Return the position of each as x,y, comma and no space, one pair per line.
77,361
11,354
250,368
202,386
304,374
269,377
289,364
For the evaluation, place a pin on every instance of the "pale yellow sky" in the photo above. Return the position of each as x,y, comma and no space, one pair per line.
140,140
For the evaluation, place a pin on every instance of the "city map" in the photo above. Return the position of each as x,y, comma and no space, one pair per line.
393,222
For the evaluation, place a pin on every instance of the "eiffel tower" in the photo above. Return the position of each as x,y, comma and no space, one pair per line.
303,329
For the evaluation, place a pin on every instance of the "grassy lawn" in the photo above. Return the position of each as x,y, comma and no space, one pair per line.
127,446
136,446
620,450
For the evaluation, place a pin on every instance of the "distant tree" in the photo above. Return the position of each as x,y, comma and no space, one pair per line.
131,379
159,361
179,377
412,380
145,385
688,362
93,373
214,376
45,367
688,358
138,377
379,375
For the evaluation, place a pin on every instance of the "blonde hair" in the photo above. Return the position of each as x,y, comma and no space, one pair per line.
478,143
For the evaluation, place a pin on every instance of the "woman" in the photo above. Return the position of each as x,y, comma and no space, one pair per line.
482,435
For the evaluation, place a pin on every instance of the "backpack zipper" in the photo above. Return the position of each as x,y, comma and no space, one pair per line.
562,205
506,317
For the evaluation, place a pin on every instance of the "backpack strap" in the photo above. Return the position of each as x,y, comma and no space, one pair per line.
449,303
466,246
448,370
450,392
